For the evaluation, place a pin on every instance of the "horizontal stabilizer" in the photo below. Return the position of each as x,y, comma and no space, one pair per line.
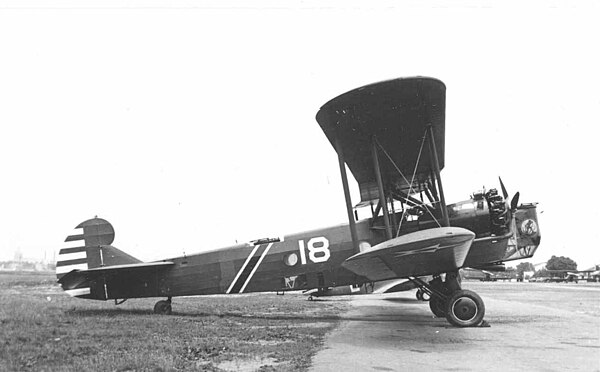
137,266
421,253
90,283
87,263
99,271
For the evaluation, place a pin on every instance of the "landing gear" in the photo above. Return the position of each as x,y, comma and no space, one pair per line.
465,309
163,307
438,307
462,308
422,296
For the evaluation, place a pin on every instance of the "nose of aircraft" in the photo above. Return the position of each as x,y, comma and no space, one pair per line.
527,232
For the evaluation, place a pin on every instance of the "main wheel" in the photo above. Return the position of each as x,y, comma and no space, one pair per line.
162,307
437,307
465,309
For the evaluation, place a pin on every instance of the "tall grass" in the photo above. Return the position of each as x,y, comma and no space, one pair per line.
43,329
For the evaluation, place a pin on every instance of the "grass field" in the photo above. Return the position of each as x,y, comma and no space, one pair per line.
43,329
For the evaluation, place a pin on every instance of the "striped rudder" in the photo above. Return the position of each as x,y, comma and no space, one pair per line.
87,248
75,255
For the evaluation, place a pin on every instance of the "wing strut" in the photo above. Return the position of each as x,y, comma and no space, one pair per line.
405,197
382,200
351,222
436,169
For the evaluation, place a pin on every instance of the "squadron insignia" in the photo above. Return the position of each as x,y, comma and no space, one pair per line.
528,227
290,281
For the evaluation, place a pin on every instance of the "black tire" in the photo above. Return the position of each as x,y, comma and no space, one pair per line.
465,309
163,308
437,307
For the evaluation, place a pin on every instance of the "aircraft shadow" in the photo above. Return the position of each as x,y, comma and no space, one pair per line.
106,312
403,300
423,320
137,312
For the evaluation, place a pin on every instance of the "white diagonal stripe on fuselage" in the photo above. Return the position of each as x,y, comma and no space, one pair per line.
78,291
71,256
66,269
256,267
242,269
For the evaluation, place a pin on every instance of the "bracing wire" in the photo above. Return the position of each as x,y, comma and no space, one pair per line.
412,178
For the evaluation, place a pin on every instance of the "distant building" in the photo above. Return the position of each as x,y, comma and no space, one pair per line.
25,266
593,274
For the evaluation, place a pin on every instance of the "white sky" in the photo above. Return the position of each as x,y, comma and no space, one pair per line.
190,125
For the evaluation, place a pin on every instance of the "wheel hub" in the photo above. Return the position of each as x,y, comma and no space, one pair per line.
464,309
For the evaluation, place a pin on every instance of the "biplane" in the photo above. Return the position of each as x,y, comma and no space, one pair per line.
391,136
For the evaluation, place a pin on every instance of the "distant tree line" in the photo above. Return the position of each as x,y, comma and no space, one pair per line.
561,263
554,264
524,266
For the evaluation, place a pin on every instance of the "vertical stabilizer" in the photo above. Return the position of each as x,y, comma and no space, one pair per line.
87,248
77,253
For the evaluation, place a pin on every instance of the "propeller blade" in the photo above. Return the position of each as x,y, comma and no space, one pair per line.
504,192
514,202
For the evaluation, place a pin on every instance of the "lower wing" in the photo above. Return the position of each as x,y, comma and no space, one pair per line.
426,252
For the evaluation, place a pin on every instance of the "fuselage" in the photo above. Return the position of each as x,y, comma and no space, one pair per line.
312,259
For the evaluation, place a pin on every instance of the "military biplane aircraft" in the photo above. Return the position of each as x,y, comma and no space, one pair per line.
391,136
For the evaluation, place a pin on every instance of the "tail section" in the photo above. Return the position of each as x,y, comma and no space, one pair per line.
89,247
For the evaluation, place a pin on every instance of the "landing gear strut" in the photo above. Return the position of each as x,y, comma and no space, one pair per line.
462,308
422,296
163,307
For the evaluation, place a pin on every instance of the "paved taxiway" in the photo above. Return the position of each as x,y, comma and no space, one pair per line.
534,327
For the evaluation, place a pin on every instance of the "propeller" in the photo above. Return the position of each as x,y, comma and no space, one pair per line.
504,192
514,201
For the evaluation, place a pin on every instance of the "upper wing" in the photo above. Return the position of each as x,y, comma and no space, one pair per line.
420,253
397,112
